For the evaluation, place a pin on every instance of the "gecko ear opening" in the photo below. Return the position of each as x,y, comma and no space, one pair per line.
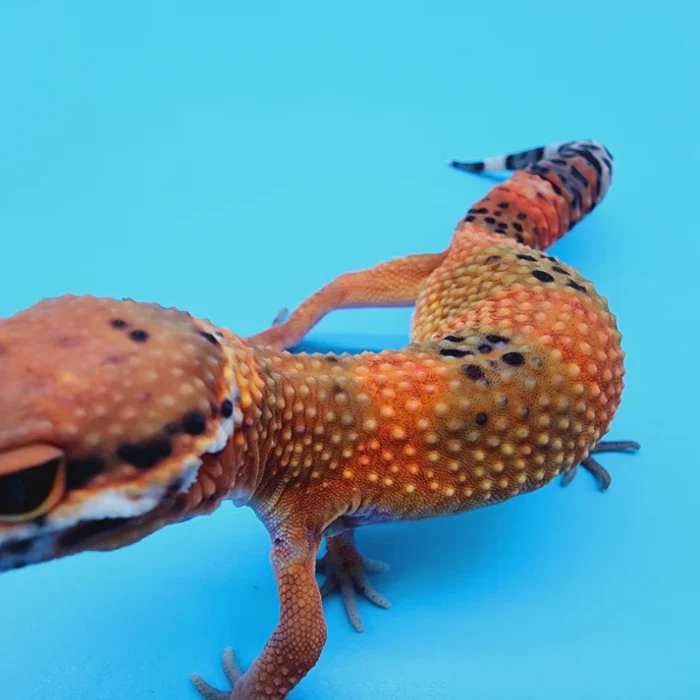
32,482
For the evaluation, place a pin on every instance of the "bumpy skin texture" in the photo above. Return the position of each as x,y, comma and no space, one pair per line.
146,416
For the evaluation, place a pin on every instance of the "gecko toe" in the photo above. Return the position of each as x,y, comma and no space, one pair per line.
598,471
346,570
569,476
233,673
375,567
207,691
591,465
363,585
617,446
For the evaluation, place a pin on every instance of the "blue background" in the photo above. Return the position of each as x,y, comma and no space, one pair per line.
229,159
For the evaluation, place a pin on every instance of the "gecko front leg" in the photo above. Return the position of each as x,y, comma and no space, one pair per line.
300,635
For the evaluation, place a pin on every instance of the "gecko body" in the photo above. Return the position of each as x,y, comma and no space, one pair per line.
118,418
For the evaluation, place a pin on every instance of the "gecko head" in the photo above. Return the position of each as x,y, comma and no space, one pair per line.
115,419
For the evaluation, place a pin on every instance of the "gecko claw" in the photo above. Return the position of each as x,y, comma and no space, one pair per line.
346,569
233,673
594,467
617,446
281,316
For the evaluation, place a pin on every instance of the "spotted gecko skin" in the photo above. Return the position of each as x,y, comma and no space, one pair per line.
118,418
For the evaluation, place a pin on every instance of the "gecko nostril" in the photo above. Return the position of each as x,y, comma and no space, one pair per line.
32,481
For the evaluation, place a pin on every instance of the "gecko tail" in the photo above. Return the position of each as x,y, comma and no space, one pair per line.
523,159
553,188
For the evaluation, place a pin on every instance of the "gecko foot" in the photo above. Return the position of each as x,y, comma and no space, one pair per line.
594,467
232,672
346,569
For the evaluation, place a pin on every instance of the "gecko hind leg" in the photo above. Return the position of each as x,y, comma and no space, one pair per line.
233,673
591,465
346,569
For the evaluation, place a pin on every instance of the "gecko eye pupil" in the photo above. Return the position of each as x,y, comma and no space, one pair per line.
31,482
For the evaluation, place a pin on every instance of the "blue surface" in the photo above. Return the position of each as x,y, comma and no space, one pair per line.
229,162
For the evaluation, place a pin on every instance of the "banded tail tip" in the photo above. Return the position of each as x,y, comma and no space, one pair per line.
477,167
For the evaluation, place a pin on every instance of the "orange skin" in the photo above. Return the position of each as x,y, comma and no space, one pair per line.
146,416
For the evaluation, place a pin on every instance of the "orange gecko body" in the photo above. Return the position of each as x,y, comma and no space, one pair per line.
118,418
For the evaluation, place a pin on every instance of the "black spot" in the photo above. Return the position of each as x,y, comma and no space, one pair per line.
208,336
277,542
469,217
497,339
90,529
542,276
473,372
517,226
19,547
560,270
118,323
484,348
227,408
194,423
514,359
331,358
519,238
454,352
146,454
529,258
492,259
482,210
80,471
550,258
592,160
578,287
556,188
579,175
522,216
497,213
490,220
174,487
481,418
138,336
503,205
454,338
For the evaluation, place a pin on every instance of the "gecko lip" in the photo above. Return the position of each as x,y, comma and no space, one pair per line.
43,539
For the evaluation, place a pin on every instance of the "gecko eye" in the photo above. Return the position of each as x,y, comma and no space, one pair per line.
32,481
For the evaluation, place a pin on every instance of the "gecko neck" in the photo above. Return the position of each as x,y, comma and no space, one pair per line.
298,413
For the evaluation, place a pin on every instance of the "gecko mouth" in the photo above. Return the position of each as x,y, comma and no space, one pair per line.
42,542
